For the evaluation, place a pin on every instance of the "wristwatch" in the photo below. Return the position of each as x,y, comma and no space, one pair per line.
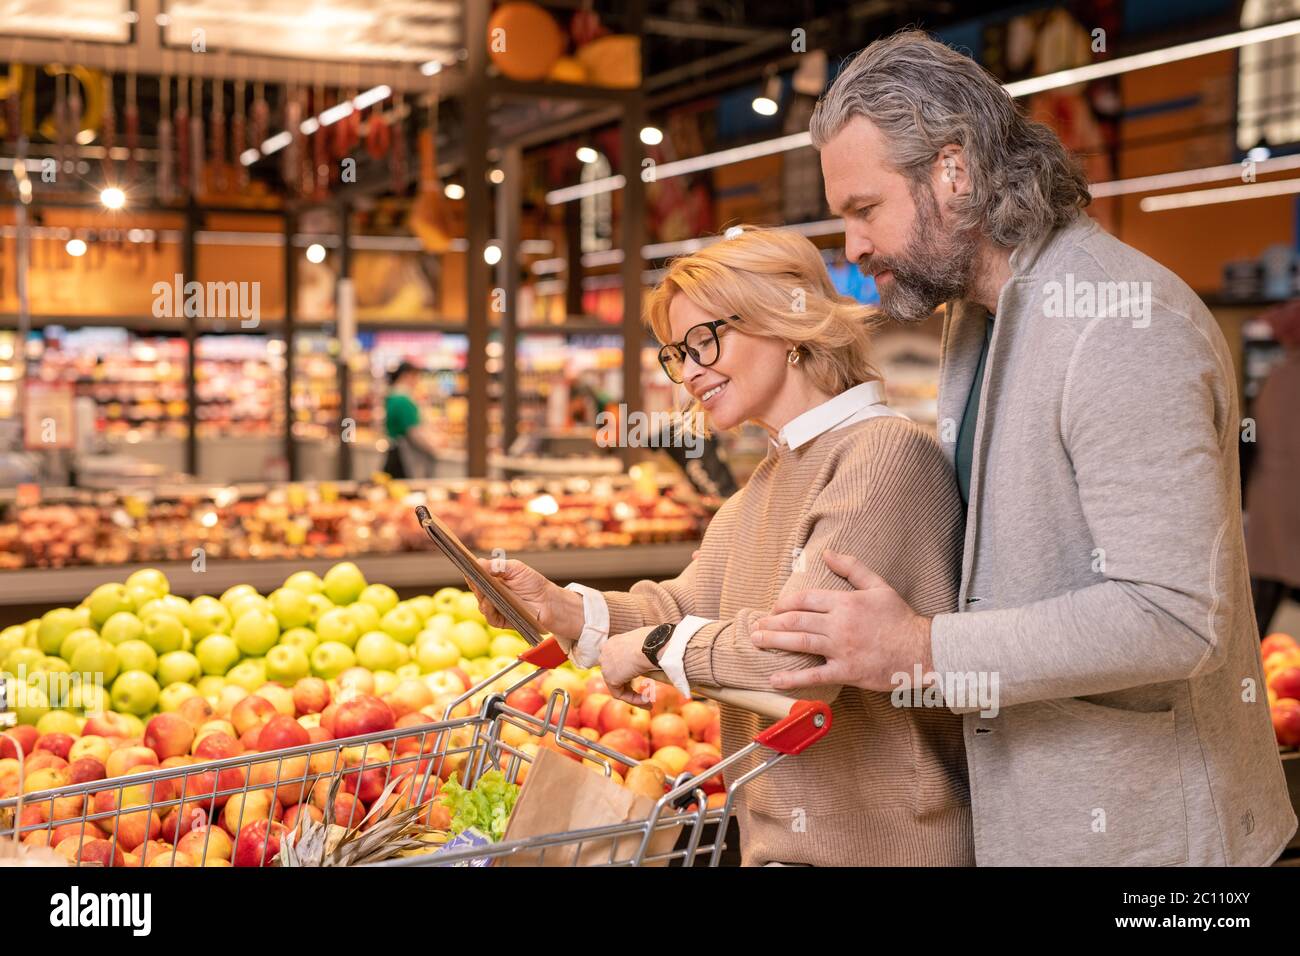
656,641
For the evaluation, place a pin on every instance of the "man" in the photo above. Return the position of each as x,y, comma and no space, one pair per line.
1087,401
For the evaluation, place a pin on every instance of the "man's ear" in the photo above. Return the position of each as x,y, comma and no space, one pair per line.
949,172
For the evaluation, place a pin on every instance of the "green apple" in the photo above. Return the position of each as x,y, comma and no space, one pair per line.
365,616
75,640
408,670
57,665
424,606
179,667
164,632
256,631
439,624
378,651
236,591
286,664
337,626
31,704
435,653
308,582
81,614
319,605
248,602
303,637
96,656
150,579
385,681
12,638
249,673
173,695
471,637
172,604
445,599
210,685
402,623
291,607
23,660
217,653
106,600
344,583
135,692
89,697
59,722
507,645
122,626
208,616
467,609
137,656
379,596
331,659
55,626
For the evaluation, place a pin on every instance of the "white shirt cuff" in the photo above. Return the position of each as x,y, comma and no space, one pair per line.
595,627
671,659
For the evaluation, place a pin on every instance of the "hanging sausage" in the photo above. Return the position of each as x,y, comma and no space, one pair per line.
132,127
239,138
183,134
197,183
166,182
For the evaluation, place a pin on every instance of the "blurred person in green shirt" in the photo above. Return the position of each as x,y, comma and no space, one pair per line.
411,449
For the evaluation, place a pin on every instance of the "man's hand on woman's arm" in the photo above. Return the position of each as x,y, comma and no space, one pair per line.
867,635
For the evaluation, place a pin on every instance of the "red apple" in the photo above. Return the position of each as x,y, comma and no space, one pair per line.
571,717
43,760
302,809
668,730
217,746
311,695
205,843
57,744
697,715
281,732
1276,643
210,789
86,769
102,852
26,737
288,776
699,765
126,760
1286,721
592,704
327,716
639,720
668,699
627,742
258,843
1286,683
249,739
362,715
169,735
595,685
197,711
368,785
107,724
318,735
614,715
409,696
186,818
358,678
251,711
526,699
135,828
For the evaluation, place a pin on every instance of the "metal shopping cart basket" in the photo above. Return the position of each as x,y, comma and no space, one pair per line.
111,822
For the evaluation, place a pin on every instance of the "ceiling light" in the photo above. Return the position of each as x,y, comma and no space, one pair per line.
492,254
76,247
1209,197
431,68
372,96
586,154
497,176
316,253
454,191
112,197
652,135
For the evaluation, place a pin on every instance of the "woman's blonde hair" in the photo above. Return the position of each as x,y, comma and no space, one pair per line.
775,281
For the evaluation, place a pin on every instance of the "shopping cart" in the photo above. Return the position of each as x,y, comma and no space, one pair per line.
120,816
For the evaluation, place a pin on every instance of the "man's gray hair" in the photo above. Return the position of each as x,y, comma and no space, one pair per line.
923,95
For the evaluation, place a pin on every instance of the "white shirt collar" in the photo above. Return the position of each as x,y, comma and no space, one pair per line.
830,414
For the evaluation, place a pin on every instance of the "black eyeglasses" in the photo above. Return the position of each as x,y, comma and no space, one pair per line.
701,344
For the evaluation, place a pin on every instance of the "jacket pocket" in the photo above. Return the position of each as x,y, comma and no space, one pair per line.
1083,785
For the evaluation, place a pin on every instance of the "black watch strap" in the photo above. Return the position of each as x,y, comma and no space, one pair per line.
656,641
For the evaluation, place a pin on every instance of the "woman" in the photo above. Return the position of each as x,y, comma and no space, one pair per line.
755,331
410,444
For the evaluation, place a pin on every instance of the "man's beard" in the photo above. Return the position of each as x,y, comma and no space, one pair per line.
936,266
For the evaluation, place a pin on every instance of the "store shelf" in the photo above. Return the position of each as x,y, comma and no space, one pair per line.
32,586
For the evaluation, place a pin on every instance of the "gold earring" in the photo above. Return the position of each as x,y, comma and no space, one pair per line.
792,357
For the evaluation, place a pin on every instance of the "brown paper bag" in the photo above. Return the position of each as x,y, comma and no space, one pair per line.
562,795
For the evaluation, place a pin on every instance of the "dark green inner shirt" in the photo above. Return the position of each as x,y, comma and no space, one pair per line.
400,414
970,419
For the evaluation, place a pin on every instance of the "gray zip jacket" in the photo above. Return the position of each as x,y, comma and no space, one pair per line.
1104,583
